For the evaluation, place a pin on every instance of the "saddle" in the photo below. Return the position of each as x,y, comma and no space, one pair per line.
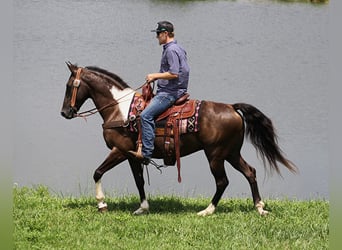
169,125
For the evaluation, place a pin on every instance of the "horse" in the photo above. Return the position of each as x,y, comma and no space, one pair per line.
222,128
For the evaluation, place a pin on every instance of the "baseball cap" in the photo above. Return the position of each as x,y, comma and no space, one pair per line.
164,26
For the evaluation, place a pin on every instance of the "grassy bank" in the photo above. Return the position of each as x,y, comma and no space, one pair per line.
44,221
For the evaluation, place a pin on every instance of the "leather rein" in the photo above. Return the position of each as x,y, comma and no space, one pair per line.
76,84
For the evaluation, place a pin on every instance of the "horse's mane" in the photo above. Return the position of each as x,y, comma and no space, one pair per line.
111,75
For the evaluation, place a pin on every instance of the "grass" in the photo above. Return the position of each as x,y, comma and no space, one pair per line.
45,221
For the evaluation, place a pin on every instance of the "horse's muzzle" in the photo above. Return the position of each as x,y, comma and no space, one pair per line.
69,114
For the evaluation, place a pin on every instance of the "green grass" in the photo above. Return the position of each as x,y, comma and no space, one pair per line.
46,221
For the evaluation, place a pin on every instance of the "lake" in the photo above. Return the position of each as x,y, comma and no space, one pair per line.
270,54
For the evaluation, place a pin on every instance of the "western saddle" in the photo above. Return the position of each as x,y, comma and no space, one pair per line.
168,124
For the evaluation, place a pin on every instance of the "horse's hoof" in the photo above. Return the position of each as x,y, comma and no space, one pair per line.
202,213
208,211
260,207
140,211
103,209
264,213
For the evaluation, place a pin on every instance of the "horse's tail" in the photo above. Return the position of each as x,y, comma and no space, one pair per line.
260,130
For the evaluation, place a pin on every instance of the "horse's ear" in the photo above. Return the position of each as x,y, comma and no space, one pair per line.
71,67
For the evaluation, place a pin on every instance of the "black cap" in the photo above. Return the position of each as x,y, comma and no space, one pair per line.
164,26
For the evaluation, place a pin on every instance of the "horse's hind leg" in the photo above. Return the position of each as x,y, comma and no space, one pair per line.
137,170
217,169
249,172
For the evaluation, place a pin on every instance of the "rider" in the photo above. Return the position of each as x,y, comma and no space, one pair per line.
172,77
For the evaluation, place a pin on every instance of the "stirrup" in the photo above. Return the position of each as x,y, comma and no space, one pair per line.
138,156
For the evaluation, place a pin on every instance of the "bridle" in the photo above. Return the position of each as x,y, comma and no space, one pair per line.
76,84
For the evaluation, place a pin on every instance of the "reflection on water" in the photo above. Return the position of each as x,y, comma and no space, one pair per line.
271,55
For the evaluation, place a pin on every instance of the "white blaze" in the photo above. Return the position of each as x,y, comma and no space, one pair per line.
124,98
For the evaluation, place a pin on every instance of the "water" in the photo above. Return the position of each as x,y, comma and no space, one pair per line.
269,54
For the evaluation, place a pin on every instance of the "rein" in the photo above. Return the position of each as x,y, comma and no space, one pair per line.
84,114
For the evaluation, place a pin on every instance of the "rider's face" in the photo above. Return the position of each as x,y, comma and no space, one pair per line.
162,37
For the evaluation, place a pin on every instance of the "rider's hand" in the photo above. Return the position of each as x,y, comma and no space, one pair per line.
150,78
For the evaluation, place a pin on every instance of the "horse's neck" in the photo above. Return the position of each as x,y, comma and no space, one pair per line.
114,105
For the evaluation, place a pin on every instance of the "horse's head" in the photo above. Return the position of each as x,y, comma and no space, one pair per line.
77,92
108,91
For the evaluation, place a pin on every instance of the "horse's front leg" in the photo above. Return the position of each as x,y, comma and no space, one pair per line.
101,205
114,158
137,170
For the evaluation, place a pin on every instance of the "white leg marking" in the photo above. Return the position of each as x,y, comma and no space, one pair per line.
143,209
260,207
99,195
101,205
208,211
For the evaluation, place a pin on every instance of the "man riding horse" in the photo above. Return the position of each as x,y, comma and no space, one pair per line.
173,78
218,129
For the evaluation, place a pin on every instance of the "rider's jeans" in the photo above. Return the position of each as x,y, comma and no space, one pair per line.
158,105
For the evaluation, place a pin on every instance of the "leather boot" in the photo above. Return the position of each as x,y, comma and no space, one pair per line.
138,156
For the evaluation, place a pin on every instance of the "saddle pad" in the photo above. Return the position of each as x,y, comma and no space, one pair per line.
187,125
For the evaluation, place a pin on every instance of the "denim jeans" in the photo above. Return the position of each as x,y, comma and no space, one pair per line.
158,105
